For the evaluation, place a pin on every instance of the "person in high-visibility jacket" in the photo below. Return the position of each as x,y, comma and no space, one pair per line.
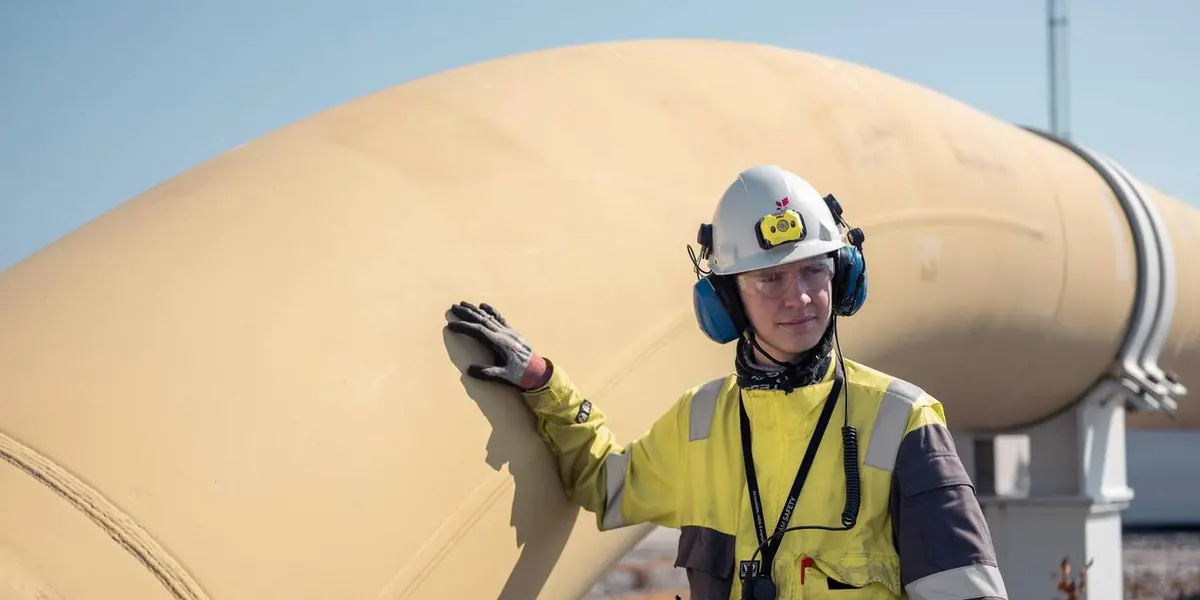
859,467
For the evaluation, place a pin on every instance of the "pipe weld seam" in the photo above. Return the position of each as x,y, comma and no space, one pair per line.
118,525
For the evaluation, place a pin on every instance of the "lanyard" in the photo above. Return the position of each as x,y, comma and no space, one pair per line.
769,549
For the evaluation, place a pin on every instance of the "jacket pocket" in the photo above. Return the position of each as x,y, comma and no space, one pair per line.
859,576
707,557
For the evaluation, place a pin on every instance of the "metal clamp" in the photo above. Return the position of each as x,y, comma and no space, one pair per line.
1145,385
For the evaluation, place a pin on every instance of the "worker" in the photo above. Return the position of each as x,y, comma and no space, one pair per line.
872,499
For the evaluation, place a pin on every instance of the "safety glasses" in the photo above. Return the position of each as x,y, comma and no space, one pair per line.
777,282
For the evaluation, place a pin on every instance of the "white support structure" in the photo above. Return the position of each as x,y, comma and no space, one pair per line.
1055,490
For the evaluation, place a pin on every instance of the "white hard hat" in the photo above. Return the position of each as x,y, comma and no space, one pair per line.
770,216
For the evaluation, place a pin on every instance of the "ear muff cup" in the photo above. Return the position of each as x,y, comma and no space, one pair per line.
718,308
849,281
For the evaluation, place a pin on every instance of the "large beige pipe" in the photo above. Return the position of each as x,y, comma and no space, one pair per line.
242,377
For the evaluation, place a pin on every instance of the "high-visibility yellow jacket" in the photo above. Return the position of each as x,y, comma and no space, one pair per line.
920,529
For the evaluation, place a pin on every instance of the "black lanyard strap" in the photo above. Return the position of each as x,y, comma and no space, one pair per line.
770,548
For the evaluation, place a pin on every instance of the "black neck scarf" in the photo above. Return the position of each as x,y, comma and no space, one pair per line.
809,368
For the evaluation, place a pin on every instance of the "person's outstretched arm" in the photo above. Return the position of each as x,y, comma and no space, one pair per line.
621,485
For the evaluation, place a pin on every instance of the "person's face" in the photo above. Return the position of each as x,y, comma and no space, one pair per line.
788,305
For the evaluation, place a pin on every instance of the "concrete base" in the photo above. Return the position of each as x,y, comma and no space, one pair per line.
1055,492
1034,535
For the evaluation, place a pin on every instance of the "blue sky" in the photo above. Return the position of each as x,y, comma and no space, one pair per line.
102,100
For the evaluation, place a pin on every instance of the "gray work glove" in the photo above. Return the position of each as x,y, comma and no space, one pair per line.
516,364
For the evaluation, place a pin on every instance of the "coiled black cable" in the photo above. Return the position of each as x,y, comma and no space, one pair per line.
849,449
853,485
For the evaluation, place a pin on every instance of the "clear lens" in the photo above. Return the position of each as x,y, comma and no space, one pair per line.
777,282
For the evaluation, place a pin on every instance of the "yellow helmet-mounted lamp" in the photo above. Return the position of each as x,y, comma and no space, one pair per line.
779,228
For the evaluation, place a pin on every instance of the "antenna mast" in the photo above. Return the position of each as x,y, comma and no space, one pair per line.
1056,58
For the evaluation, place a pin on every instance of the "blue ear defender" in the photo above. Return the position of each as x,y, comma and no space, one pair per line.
849,266
712,300
711,314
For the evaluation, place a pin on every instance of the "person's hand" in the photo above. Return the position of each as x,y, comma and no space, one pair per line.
516,364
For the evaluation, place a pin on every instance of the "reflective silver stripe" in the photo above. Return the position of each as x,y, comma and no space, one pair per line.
704,407
614,469
890,423
964,583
